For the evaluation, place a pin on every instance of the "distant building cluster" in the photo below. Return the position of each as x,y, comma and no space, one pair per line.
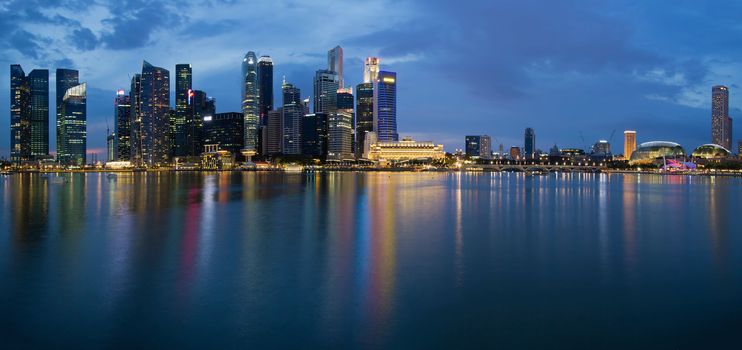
151,132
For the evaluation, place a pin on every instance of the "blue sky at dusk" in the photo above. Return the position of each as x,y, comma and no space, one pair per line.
465,67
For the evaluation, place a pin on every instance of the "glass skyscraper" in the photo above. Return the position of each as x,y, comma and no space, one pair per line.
20,118
292,112
38,83
65,79
273,141
335,63
326,85
250,108
183,112
202,106
225,130
314,135
385,106
122,126
364,115
135,98
721,124
530,143
155,112
74,126
371,69
479,146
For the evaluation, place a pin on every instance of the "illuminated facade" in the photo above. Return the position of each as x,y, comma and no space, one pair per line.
647,152
530,143
122,126
371,69
326,84
183,111
721,124
265,98
292,112
629,143
20,143
201,107
155,115
65,79
478,146
135,98
74,126
711,151
407,149
340,135
38,84
335,63
364,115
273,133
250,107
224,130
385,106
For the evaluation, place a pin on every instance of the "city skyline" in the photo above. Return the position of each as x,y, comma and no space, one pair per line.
660,97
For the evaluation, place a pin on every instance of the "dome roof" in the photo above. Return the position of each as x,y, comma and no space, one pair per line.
710,151
649,151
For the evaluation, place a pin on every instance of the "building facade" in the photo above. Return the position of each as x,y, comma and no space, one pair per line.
385,106
20,118
326,85
340,135
364,118
183,111
407,149
529,145
478,146
250,107
314,135
292,112
38,84
155,115
74,127
225,130
65,79
122,127
273,133
371,69
721,124
629,143
335,63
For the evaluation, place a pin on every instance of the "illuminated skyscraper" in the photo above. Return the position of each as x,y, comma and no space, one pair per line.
326,85
135,99
371,69
345,105
201,107
250,106
721,124
155,113
265,98
364,115
340,135
20,116
65,79
292,112
183,111
122,127
74,126
335,63
273,131
530,143
629,143
385,106
225,130
38,83
479,146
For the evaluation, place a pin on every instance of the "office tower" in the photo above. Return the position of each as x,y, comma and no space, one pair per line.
135,99
73,126
314,135
371,69
265,85
335,63
20,115
183,94
739,149
122,126
340,136
155,115
65,79
530,143
721,124
385,106
202,107
273,131
225,130
38,84
515,152
171,133
601,149
478,146
292,112
629,143
346,105
364,115
250,100
111,145
325,91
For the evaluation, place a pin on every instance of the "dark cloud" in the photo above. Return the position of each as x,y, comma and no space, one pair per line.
135,22
83,39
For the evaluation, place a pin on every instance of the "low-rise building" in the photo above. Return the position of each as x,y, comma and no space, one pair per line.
406,149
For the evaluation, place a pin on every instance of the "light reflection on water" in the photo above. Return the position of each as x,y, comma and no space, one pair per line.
370,260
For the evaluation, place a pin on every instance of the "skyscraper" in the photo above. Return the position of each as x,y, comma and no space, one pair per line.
122,126
250,107
183,112
74,126
325,91
385,106
65,79
371,69
340,135
38,83
273,130
202,106
155,112
479,146
335,63
345,105
314,135
135,99
265,85
225,130
530,143
364,115
721,124
292,112
20,115
629,143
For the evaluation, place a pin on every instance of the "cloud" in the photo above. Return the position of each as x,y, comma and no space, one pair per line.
133,23
83,39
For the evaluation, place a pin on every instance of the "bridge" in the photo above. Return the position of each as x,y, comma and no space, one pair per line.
555,167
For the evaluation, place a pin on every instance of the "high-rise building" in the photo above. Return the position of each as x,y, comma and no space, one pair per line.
326,85
74,126
314,135
155,115
479,146
183,111
250,107
265,98
739,148
292,112
364,115
38,83
202,107
530,143
340,135
385,106
135,140
515,152
371,69
721,124
122,126
20,115
629,143
345,105
273,131
111,146
65,79
225,130
335,62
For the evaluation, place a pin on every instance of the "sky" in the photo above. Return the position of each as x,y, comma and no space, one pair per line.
576,71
